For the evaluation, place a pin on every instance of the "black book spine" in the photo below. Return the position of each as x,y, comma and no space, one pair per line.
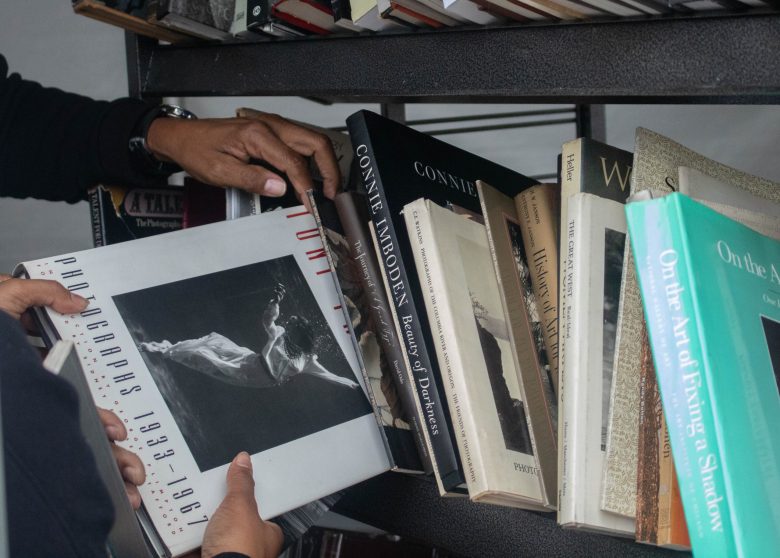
444,456
354,218
96,214
258,14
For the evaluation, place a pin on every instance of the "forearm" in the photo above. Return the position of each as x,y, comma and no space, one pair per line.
55,145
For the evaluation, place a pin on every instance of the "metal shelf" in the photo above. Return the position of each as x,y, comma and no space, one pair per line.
709,58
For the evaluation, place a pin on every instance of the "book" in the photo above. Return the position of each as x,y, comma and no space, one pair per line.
206,19
125,537
472,343
416,13
397,165
310,15
656,167
659,513
210,341
521,313
98,10
538,208
365,14
120,213
203,203
252,19
343,226
596,233
711,294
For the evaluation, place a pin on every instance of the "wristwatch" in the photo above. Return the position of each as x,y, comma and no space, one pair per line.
137,143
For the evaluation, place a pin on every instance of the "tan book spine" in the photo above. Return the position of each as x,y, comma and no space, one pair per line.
539,214
647,463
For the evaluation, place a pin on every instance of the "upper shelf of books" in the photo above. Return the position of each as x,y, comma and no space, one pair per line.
667,55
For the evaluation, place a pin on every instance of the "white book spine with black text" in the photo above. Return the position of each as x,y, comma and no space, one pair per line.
454,267
591,222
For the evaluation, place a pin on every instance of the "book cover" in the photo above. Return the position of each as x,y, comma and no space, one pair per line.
396,166
521,313
471,337
210,341
207,19
120,213
596,233
656,168
203,203
711,293
356,274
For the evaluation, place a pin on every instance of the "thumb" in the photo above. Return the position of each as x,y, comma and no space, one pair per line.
240,483
17,295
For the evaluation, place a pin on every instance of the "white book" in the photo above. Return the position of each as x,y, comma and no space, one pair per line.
595,236
464,308
469,11
214,340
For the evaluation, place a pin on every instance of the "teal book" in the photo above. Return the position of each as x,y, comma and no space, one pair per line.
711,293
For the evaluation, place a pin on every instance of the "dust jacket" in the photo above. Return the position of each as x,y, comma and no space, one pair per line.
218,339
711,294
397,165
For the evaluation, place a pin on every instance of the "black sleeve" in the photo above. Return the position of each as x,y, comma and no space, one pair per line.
57,505
55,145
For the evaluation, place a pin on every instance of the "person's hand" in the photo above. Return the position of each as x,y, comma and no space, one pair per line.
19,295
218,151
130,465
236,526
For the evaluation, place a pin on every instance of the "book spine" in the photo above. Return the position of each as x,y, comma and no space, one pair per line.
538,214
429,265
96,214
357,233
569,380
658,239
650,417
444,455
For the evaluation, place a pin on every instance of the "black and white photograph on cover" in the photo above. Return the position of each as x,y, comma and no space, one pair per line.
349,271
244,359
496,348
524,274
614,244
772,333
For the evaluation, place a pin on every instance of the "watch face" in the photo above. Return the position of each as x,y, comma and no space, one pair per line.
175,111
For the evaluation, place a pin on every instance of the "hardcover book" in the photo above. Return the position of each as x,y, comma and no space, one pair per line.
343,226
596,233
120,213
207,19
521,313
397,165
210,341
711,293
472,343
656,167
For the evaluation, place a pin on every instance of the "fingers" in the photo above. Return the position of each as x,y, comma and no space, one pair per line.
230,171
112,424
130,465
133,495
17,295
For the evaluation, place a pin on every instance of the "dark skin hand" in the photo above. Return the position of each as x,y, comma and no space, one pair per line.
218,151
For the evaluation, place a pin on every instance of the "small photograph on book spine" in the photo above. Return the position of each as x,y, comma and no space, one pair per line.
496,349
614,248
240,365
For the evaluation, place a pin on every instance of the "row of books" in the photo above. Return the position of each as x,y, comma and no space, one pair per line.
487,317
224,20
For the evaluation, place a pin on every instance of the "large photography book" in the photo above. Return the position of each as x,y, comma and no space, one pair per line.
343,224
711,293
657,160
397,165
521,313
596,233
210,341
471,336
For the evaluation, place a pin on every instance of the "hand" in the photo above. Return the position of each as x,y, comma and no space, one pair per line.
218,151
130,465
18,295
236,525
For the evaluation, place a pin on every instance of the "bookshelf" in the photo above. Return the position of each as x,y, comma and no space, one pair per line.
712,58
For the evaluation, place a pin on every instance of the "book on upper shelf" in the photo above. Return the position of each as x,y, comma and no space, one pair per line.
591,166
397,165
711,294
210,341
343,224
314,16
132,22
471,337
253,19
120,213
206,19
656,168
595,236
521,312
